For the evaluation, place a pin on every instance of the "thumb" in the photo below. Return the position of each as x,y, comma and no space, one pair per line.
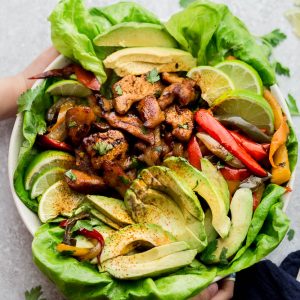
208,293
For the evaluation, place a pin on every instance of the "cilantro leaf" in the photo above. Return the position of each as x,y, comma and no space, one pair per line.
281,69
119,90
274,38
72,124
184,126
153,76
229,157
211,247
124,180
292,105
223,259
102,147
185,3
290,234
34,294
71,175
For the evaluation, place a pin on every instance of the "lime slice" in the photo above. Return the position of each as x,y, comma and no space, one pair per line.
247,105
57,200
45,179
44,161
213,82
68,88
243,76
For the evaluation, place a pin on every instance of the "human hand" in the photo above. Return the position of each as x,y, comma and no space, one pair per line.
12,87
223,290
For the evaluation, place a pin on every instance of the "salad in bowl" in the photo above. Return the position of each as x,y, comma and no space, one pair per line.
154,156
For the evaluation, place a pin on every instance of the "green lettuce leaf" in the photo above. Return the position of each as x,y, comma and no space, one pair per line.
292,146
73,29
78,280
216,34
33,105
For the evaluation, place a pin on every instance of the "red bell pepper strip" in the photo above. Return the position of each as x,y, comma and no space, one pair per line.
87,78
234,174
94,234
48,143
216,130
194,153
257,151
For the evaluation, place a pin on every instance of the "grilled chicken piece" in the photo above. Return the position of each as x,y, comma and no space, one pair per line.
101,125
150,112
115,177
85,183
105,104
78,122
101,146
181,120
131,124
131,89
171,77
183,91
83,161
93,104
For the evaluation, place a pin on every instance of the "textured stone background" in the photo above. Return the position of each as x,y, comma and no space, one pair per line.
24,32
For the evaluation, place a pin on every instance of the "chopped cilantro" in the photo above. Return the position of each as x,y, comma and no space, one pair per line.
124,180
72,124
220,165
228,157
223,259
34,294
153,76
158,149
157,93
71,175
119,90
290,234
292,105
102,148
184,126
281,69
144,130
274,38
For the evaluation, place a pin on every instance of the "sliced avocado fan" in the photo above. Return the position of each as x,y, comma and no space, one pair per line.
159,197
210,185
241,208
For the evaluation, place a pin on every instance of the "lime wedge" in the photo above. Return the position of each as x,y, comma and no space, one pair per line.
68,88
213,82
46,178
44,161
247,105
243,76
57,200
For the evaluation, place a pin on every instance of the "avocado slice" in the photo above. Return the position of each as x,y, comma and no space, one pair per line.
241,208
97,214
112,208
209,229
154,207
182,60
144,265
134,34
127,239
207,184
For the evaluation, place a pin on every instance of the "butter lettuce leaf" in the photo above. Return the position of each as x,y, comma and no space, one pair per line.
33,105
211,32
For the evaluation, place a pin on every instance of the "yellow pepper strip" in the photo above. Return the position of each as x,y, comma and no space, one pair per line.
278,118
231,57
281,173
279,138
76,251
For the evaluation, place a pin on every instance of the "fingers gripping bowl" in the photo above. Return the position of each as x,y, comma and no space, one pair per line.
196,148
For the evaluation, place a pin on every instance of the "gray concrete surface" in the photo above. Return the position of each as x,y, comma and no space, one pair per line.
24,32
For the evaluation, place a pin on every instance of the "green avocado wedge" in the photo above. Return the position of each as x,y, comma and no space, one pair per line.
241,208
134,34
210,185
154,262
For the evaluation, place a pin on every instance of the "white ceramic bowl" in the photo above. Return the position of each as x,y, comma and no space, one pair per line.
29,218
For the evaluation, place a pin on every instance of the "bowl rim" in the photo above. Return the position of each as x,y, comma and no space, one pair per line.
29,218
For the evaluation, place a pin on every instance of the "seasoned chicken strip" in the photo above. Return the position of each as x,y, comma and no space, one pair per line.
101,146
131,89
181,119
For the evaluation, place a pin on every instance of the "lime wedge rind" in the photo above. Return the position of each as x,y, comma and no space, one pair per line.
68,88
